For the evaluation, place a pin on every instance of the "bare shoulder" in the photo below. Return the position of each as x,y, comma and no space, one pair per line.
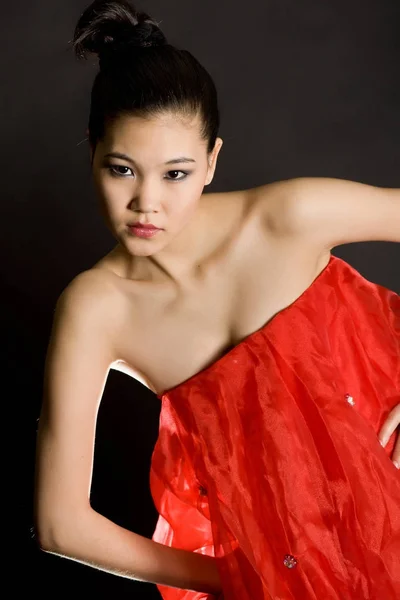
93,285
279,206
91,299
276,203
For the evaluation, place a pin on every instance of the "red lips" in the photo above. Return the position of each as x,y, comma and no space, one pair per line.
143,225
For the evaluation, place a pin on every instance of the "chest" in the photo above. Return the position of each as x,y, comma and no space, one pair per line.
171,337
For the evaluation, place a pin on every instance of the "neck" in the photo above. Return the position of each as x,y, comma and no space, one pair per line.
182,262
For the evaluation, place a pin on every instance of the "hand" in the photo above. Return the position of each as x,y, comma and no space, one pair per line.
386,431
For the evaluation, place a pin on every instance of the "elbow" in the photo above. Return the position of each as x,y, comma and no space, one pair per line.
59,536
48,538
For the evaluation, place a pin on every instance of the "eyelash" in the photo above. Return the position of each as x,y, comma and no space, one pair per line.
114,173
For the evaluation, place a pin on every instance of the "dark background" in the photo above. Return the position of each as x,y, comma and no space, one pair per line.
307,88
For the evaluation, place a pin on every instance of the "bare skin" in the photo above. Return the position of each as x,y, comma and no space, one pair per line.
224,265
164,308
247,276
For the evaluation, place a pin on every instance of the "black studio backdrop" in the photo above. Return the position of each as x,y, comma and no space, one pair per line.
307,88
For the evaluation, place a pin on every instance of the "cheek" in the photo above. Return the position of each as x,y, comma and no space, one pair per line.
112,195
183,203
108,189
195,187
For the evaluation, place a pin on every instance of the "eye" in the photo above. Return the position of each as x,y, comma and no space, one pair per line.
184,173
118,170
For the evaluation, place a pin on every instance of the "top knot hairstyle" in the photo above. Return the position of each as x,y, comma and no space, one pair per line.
140,73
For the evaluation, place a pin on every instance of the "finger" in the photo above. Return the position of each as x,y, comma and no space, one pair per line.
396,453
389,425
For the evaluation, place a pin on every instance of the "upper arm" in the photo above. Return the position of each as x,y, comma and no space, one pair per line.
330,212
79,355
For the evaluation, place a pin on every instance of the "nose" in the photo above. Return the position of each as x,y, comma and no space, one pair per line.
146,195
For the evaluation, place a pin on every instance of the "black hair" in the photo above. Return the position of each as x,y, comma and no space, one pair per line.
140,73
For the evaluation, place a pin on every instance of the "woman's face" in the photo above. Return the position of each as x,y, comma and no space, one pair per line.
151,170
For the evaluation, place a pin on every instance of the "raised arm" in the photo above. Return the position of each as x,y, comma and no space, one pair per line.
328,212
81,350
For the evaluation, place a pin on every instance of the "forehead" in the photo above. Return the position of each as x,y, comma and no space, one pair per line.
166,132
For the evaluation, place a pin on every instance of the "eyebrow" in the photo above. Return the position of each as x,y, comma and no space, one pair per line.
173,161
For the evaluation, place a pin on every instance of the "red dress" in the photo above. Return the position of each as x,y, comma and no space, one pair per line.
269,458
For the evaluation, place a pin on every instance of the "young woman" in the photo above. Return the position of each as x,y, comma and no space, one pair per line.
277,363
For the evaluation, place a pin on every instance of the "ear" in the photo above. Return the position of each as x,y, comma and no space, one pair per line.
212,160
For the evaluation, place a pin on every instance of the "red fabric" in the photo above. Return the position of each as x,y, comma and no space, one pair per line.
287,464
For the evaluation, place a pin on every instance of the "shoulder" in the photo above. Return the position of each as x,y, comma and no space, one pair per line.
91,298
275,203
87,286
87,320
279,204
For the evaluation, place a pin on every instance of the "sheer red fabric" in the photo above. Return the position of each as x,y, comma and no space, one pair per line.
269,458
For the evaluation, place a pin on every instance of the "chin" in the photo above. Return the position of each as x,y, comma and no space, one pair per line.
138,247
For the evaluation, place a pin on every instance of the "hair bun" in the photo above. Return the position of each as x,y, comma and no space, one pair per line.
108,26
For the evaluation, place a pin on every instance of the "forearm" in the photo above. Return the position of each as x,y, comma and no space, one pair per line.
98,542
